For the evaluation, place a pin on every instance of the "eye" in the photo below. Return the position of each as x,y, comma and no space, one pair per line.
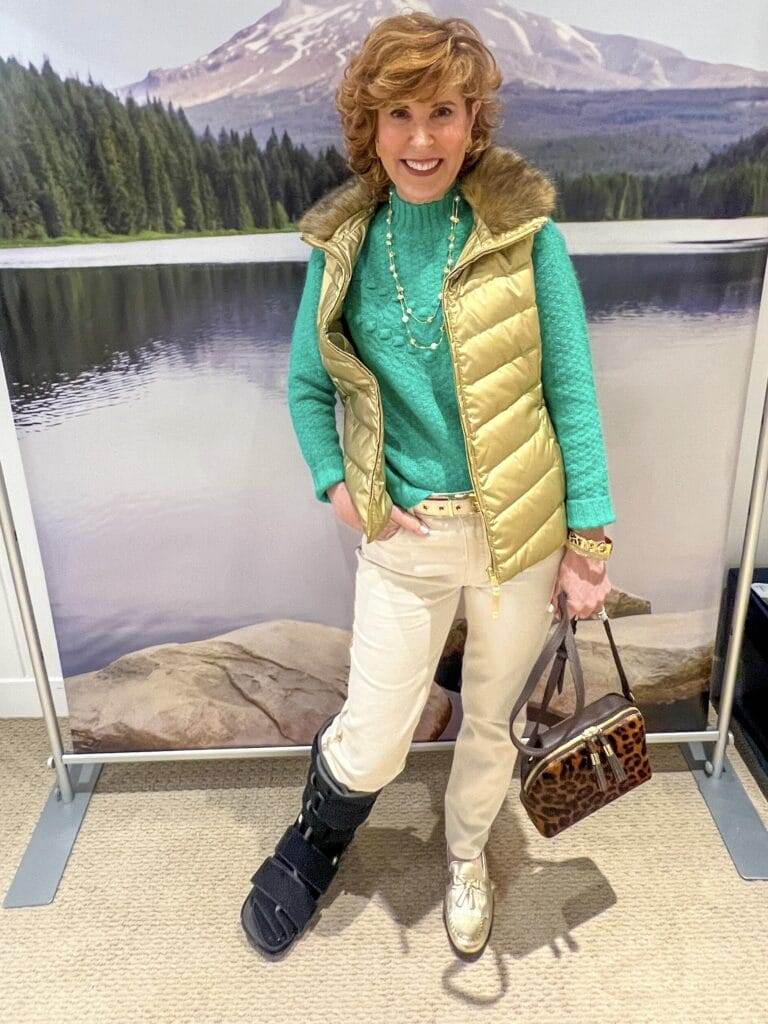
447,111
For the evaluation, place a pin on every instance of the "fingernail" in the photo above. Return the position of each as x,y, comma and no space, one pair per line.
550,607
424,528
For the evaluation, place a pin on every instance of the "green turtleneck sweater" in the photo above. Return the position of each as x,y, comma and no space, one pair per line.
424,449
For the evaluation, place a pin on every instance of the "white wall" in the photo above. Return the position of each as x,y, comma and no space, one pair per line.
18,693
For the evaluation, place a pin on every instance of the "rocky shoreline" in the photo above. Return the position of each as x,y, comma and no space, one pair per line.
274,683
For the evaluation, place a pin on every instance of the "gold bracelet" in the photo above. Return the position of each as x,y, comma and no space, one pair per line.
591,548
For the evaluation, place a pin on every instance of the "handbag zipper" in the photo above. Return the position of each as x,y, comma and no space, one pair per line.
592,735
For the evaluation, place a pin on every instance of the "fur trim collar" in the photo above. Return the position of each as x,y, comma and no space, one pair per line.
503,189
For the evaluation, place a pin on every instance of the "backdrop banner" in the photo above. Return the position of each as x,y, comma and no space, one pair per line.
150,274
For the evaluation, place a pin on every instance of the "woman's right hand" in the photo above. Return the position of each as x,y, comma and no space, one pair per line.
346,512
342,505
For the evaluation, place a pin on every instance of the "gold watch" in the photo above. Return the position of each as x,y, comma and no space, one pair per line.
591,548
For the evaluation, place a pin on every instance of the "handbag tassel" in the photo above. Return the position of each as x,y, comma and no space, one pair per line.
613,761
599,771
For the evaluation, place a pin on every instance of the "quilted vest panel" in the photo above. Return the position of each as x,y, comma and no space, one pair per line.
492,326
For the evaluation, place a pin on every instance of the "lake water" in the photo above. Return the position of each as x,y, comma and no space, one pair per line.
170,497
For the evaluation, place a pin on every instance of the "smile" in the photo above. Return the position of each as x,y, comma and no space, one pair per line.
422,166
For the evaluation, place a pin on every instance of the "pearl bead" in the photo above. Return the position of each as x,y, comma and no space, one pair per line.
453,219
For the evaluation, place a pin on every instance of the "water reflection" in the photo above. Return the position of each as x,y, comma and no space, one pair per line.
171,501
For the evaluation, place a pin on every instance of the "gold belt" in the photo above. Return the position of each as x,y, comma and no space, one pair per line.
462,503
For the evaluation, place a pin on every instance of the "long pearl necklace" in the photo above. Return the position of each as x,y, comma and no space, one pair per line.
407,312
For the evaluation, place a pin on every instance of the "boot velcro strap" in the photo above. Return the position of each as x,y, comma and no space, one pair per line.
311,863
275,880
340,813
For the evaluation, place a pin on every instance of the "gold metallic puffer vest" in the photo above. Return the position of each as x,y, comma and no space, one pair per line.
492,325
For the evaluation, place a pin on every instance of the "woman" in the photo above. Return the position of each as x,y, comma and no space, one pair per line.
441,305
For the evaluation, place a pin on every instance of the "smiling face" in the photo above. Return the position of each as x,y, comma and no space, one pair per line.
421,130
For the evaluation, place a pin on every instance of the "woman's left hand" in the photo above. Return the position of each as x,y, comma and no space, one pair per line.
585,581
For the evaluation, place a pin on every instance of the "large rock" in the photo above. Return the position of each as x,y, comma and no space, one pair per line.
270,684
666,657
621,602
618,603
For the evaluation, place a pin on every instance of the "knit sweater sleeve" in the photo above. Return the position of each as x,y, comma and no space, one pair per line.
311,393
568,381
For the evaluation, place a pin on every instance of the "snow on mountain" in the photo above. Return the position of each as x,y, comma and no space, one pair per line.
300,44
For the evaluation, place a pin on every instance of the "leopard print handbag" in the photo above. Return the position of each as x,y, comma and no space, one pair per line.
563,778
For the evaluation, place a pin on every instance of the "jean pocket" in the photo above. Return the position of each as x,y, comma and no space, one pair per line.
386,540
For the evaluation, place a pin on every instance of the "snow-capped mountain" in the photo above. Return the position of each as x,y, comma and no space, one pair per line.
303,45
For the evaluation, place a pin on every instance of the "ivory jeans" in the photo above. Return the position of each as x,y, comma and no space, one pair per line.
407,591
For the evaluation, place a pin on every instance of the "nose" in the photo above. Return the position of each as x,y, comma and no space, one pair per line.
422,136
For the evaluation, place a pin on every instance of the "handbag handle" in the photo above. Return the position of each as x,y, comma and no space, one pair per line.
562,638
558,671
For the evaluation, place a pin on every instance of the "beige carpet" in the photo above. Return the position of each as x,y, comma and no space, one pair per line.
633,915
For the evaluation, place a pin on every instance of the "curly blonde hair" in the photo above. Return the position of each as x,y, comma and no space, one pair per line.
415,56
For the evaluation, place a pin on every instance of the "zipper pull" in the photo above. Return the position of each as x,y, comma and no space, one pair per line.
616,765
594,753
495,591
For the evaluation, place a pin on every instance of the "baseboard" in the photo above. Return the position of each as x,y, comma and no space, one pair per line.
18,698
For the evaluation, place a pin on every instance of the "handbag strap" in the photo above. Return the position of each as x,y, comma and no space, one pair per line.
562,634
619,667
558,672
564,640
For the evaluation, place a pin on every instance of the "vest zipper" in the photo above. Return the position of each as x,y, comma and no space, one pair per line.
340,252
491,570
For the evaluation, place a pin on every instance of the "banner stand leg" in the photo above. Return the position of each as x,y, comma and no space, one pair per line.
50,845
42,866
741,597
741,828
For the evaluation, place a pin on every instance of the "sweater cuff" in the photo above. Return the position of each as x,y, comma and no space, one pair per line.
325,474
589,513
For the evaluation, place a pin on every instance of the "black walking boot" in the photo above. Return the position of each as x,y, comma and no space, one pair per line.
288,884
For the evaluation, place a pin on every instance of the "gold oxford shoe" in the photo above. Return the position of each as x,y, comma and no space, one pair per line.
468,906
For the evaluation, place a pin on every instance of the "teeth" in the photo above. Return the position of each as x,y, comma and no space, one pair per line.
425,165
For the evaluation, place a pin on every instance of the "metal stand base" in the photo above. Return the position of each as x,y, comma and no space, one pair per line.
45,858
39,873
741,829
